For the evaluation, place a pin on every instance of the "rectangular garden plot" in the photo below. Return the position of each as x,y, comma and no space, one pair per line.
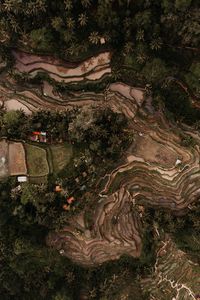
17,161
61,155
3,158
36,158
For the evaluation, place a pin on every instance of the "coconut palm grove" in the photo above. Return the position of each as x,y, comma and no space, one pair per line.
99,150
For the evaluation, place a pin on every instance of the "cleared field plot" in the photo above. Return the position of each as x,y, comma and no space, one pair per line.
17,161
13,104
3,158
154,152
36,161
61,155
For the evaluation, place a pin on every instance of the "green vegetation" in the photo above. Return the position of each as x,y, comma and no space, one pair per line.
149,41
154,44
36,160
184,229
61,156
101,131
179,103
41,272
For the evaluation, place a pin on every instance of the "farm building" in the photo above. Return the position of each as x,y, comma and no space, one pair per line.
39,136
22,178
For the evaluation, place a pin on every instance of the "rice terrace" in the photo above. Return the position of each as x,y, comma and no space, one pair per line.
99,150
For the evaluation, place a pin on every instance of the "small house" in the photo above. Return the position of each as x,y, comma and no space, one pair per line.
22,178
39,136
58,189
102,40
70,200
66,207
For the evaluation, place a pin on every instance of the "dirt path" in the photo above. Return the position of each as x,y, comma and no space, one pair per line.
169,279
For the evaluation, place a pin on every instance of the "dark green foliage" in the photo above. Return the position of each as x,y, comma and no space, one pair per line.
41,39
184,229
30,270
102,130
13,124
179,103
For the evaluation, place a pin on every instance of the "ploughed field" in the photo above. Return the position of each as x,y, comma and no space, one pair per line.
156,171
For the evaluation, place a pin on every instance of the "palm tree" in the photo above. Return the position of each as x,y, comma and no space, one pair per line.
5,35
68,4
70,23
156,44
30,8
128,48
8,5
86,3
68,35
127,23
82,18
94,37
57,23
73,50
141,58
140,35
92,293
116,74
40,5
14,25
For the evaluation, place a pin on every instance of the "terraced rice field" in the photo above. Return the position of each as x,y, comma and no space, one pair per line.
37,163
175,276
17,161
61,155
92,69
43,96
157,169
115,232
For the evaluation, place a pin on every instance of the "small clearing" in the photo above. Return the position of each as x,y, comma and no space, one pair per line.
154,152
17,161
13,104
61,155
36,161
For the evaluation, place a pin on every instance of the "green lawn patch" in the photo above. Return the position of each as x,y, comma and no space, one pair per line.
61,156
36,161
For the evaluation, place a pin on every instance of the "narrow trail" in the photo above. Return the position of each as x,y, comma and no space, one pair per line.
169,277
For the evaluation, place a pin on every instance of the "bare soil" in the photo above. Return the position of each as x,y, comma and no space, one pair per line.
154,152
17,161
13,104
